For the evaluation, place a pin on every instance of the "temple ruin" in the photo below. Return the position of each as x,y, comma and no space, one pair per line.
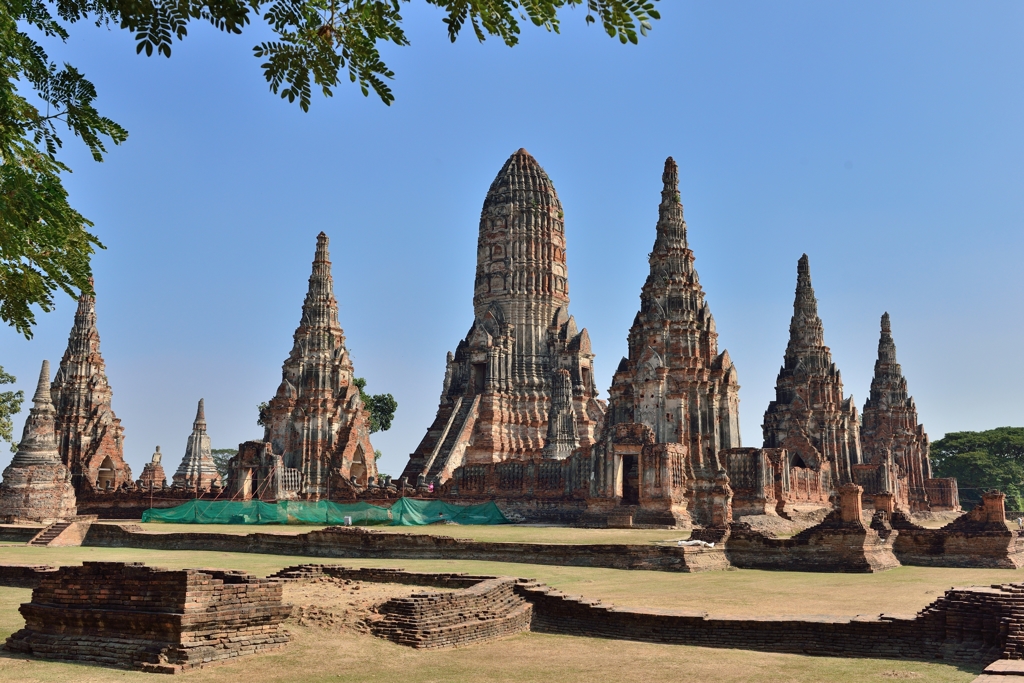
317,431
153,476
894,445
667,451
90,437
197,471
809,417
36,485
675,387
520,386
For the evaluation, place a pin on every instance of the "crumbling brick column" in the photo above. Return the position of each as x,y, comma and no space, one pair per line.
849,503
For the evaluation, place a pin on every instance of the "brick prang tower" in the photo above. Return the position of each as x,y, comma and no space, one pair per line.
890,433
36,485
90,437
496,404
809,416
317,420
674,383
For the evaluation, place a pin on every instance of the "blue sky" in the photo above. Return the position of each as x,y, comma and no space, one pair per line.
882,139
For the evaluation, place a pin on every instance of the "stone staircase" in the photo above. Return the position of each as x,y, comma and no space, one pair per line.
50,533
1002,671
64,533
463,418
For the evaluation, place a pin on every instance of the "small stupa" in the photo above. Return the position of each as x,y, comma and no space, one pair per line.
36,485
197,469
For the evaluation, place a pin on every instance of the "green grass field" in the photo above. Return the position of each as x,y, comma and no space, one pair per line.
319,655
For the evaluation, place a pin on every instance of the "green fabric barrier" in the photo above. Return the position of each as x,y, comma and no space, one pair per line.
405,512
258,512
411,512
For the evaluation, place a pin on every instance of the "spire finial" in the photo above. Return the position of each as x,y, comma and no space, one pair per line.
670,177
886,328
200,417
42,394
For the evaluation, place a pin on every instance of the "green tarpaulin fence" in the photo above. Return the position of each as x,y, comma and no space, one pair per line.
404,512
412,512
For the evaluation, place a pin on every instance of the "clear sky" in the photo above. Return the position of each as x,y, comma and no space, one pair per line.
883,139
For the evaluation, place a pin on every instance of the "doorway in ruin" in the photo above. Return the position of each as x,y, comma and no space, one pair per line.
358,470
479,372
631,480
106,476
246,488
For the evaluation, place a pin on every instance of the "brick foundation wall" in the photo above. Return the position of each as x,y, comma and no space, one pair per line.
131,616
970,625
832,546
24,575
488,610
342,542
968,541
19,533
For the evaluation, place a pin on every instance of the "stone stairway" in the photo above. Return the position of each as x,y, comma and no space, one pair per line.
463,419
69,532
47,535
1003,671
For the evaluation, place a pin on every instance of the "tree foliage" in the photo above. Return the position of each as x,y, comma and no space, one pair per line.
981,461
221,456
382,407
10,405
46,245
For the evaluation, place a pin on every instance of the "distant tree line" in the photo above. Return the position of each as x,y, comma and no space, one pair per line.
982,461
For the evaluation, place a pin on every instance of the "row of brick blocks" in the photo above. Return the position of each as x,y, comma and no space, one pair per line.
128,615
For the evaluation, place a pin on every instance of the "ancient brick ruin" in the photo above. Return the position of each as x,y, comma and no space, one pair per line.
90,437
810,418
36,485
979,538
667,451
520,386
153,476
130,616
197,471
840,543
317,430
674,402
894,445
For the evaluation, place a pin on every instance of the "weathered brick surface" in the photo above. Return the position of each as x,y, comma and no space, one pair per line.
965,625
131,616
24,575
810,417
343,542
505,396
979,538
840,543
316,441
36,486
487,610
89,436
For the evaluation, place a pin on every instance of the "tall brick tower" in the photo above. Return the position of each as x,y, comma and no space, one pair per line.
36,485
90,438
317,420
496,403
891,434
674,383
809,416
